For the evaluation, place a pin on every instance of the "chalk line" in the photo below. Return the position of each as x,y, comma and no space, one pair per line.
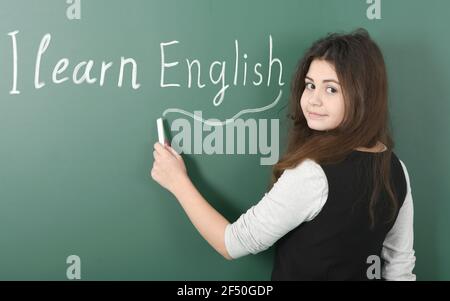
221,123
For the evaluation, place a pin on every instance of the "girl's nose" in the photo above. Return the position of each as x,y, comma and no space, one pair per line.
315,99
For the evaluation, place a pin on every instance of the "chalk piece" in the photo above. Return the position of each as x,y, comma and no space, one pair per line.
161,136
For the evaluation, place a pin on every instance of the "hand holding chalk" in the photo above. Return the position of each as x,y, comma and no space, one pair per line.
168,169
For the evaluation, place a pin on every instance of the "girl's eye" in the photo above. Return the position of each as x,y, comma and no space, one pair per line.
331,90
309,86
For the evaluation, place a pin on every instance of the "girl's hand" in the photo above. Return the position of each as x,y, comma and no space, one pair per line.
168,168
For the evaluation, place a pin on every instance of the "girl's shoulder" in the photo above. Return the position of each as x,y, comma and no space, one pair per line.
308,168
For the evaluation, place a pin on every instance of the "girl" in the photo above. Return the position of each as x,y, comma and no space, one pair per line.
341,199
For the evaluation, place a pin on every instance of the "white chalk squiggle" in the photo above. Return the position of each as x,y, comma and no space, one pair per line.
221,123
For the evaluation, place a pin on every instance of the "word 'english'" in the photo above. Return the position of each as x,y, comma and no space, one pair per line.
217,71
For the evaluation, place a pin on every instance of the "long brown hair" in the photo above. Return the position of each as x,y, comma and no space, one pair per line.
361,71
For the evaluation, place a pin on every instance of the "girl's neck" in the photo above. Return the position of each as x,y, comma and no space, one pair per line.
380,147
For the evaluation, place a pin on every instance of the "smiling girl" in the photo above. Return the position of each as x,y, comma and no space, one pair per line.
340,197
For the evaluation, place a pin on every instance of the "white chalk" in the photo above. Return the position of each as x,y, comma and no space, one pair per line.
161,136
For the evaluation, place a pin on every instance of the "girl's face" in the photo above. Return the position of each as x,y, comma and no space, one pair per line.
322,101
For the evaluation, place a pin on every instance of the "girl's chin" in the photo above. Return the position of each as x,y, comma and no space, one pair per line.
316,127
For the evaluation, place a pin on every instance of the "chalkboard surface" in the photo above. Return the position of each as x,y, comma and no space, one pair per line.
80,93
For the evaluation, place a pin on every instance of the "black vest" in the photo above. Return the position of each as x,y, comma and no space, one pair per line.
336,244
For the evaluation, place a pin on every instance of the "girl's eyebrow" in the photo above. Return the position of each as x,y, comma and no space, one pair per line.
325,80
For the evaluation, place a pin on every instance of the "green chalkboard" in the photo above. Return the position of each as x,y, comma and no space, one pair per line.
81,90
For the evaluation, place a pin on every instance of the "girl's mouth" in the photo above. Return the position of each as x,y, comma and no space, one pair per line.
315,116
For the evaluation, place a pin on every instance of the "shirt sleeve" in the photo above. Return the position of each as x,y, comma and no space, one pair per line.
398,251
297,196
